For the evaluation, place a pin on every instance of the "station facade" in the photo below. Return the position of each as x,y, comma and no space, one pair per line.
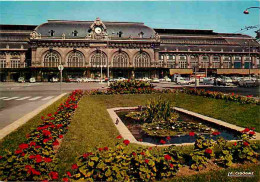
121,49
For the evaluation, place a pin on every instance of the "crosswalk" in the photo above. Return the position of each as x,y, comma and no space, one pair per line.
30,98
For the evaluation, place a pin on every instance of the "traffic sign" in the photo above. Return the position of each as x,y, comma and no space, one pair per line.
60,67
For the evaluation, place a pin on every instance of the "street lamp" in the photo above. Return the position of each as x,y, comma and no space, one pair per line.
247,12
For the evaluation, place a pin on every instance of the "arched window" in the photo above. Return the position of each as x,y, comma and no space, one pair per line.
75,59
237,62
205,62
2,60
194,61
182,61
216,62
120,59
97,58
227,62
15,60
142,59
171,59
52,59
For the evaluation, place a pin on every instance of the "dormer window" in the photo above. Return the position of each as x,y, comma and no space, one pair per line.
51,33
75,33
120,33
141,34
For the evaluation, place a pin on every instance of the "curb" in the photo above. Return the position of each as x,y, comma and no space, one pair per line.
16,124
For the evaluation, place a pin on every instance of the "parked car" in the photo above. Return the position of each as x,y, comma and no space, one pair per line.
208,81
71,80
155,80
226,81
247,82
54,79
21,80
182,81
79,80
167,79
145,79
120,79
32,80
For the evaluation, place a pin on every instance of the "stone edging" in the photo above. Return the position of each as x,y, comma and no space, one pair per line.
126,134
16,124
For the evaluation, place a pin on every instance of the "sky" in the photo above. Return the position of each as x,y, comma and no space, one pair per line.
220,16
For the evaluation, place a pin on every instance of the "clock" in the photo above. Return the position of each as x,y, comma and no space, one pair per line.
98,30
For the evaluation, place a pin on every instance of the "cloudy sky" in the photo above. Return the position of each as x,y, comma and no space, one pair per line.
220,16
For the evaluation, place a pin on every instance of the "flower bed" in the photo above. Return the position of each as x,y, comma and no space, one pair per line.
35,159
122,164
219,95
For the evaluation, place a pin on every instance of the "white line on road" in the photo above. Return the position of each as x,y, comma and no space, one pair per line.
23,98
3,98
47,98
11,98
35,98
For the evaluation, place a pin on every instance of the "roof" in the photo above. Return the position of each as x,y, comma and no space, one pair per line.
83,27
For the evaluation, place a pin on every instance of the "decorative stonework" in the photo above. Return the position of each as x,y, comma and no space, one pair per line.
98,31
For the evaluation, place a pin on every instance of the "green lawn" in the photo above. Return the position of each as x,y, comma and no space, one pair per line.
92,127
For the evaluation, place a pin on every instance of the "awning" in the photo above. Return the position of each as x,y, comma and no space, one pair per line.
238,71
181,71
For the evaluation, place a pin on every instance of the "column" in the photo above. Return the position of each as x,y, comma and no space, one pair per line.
188,61
254,62
177,57
156,57
232,61
22,59
199,60
33,60
221,61
243,62
164,64
210,61
8,61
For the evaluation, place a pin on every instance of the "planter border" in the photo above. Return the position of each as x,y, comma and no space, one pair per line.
126,134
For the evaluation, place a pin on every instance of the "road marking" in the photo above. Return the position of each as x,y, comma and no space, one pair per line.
11,98
3,98
23,98
35,98
47,98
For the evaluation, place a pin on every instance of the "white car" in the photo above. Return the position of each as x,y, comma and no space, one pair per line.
54,79
155,80
32,80
181,80
79,80
21,80
167,79
146,79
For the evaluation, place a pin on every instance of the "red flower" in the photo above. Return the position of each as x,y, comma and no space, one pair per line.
171,165
42,117
55,143
45,140
251,133
208,151
74,166
215,133
162,142
35,172
142,153
235,144
252,128
133,153
46,132
1,157
55,113
65,179
47,159
23,146
28,135
246,130
246,144
59,125
18,151
140,140
100,149
106,148
31,156
49,114
168,137
68,173
126,142
192,133
54,175
119,137
232,94
150,148
38,158
23,154
167,157
60,136
146,161
38,146
28,167
32,143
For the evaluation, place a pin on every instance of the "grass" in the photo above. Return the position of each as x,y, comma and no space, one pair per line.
91,125
11,141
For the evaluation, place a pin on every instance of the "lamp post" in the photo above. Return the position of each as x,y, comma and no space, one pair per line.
247,12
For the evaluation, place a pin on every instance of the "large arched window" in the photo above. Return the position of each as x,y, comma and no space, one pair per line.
142,59
75,59
205,62
2,60
52,59
237,62
182,61
194,61
15,60
120,59
227,62
216,62
97,59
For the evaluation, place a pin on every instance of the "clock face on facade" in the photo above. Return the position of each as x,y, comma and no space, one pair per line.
98,30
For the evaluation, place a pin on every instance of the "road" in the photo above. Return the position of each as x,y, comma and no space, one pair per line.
18,99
